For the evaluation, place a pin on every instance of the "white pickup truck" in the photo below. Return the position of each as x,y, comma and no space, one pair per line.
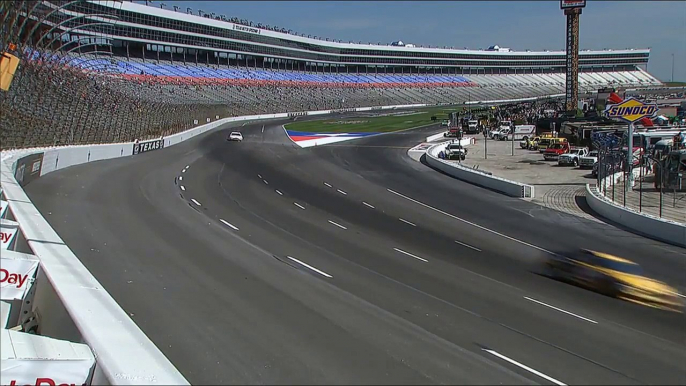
573,157
587,161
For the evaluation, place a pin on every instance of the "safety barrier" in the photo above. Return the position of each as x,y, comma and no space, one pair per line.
657,228
510,188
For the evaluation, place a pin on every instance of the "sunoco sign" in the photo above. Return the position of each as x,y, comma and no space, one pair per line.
631,110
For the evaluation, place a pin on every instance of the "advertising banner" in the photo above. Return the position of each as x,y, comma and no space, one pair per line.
566,4
146,146
28,168
16,277
8,231
631,110
297,114
29,359
3,208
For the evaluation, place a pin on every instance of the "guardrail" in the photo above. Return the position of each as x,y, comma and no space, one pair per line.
657,228
502,185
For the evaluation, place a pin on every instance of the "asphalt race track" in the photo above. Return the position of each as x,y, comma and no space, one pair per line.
263,263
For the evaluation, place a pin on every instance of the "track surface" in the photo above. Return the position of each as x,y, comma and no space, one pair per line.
351,263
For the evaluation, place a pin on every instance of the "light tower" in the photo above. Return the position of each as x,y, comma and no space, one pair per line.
572,9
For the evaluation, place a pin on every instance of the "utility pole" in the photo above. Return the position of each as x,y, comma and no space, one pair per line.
485,144
672,79
512,129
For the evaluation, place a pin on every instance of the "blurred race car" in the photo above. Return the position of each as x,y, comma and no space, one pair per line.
613,276
235,136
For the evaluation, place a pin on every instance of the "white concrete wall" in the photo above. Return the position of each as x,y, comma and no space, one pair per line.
658,228
510,188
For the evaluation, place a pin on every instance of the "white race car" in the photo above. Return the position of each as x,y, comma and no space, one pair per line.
235,136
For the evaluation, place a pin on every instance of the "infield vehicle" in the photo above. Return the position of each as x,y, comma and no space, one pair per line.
612,276
455,151
503,134
472,127
445,123
235,136
545,142
553,152
589,160
573,157
530,143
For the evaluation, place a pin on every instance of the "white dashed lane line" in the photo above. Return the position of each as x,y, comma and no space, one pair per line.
196,202
341,192
468,246
229,224
183,188
265,182
522,366
407,222
338,225
260,176
560,310
310,267
187,166
470,223
180,178
411,255
183,171
299,206
279,193
369,205
328,185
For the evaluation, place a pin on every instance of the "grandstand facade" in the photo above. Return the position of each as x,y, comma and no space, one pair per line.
193,65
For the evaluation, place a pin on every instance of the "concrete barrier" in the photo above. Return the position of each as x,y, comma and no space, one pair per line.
510,188
436,137
657,228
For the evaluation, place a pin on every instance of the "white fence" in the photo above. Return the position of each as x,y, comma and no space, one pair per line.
502,185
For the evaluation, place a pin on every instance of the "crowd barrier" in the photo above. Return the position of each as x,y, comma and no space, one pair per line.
62,300
657,228
510,188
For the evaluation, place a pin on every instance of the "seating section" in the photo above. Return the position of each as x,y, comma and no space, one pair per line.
65,100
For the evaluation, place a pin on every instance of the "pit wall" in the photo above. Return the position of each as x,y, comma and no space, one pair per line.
498,184
654,227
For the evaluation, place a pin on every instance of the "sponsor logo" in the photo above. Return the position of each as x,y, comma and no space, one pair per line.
631,110
298,114
246,29
12,278
348,110
146,146
35,167
565,4
5,237
45,382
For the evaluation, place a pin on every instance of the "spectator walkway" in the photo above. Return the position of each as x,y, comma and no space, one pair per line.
673,203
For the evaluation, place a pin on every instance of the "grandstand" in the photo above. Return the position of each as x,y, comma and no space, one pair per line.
104,71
